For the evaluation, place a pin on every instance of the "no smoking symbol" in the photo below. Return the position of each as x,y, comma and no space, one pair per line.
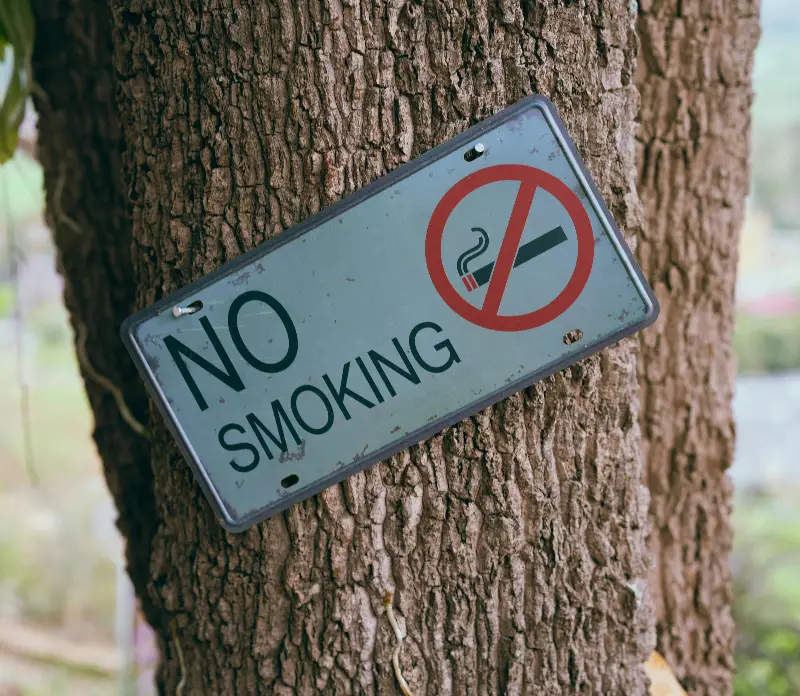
488,316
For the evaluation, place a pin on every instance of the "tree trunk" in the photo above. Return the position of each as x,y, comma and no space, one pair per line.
694,75
514,543
79,147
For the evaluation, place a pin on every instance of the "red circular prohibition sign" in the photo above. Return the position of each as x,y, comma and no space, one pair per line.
488,315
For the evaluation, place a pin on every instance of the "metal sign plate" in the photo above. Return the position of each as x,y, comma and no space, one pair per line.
423,298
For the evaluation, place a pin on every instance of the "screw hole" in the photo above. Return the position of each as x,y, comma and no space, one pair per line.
475,152
290,481
195,306
573,336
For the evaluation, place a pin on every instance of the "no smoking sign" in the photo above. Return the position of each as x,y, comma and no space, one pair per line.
408,306
512,253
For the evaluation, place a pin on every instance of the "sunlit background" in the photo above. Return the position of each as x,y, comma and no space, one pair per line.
69,624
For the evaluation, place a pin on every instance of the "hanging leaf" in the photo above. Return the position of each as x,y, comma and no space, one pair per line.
662,680
17,31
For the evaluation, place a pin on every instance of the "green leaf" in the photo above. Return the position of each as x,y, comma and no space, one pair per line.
16,24
17,30
12,111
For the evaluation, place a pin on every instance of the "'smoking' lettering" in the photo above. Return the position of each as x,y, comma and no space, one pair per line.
316,412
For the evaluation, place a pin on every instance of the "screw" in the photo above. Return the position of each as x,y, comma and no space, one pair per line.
178,312
477,150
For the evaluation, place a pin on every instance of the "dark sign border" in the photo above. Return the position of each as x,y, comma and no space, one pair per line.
467,138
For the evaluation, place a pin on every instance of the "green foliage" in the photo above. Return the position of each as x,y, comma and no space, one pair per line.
7,299
55,556
766,564
53,572
21,191
767,344
16,33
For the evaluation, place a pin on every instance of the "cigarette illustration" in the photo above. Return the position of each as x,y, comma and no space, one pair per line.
530,250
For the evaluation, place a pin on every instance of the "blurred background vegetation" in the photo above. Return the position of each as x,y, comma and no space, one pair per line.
68,621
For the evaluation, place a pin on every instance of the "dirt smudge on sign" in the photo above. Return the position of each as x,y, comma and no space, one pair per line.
360,455
294,456
242,279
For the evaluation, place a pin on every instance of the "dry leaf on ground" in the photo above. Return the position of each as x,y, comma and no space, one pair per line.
663,681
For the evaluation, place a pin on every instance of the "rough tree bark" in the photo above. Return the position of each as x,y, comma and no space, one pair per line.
514,543
694,75
79,146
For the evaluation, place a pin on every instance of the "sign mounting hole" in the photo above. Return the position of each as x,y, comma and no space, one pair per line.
476,151
573,336
290,481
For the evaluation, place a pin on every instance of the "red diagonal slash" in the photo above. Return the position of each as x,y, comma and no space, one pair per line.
509,247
